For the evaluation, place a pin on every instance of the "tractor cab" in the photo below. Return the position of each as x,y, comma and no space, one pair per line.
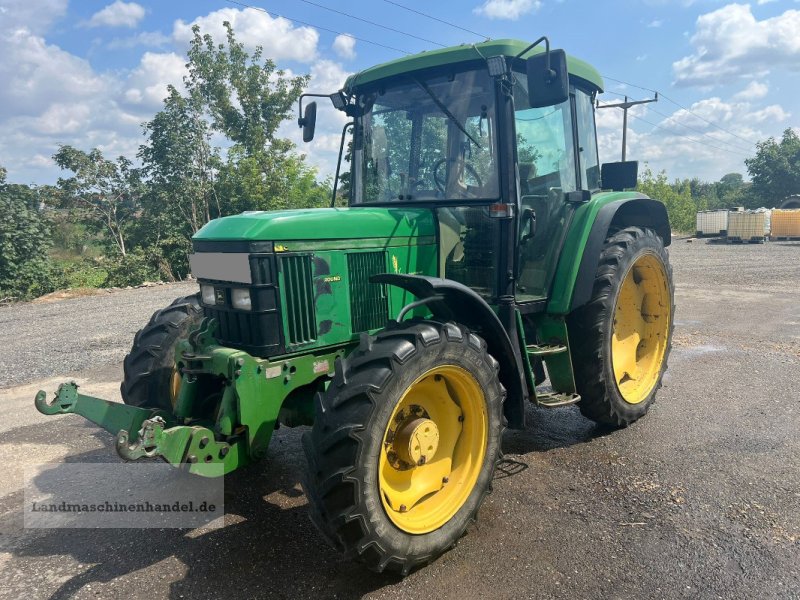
458,131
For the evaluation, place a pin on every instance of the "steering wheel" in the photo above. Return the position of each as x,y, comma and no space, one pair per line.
467,167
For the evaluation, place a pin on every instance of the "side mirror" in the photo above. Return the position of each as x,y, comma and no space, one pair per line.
619,176
548,78
309,121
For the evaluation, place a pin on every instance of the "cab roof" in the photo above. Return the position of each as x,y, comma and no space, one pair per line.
465,52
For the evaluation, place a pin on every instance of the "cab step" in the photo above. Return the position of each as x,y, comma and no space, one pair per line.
554,399
545,350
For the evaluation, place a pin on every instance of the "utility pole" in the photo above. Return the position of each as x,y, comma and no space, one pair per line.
625,106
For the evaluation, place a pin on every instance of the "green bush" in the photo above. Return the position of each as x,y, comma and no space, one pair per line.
25,267
81,273
134,268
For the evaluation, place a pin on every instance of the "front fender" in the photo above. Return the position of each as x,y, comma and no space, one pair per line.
574,279
463,305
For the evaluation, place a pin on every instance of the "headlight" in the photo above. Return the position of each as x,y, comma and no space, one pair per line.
240,298
207,293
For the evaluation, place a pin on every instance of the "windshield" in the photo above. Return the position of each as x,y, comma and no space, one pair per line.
428,138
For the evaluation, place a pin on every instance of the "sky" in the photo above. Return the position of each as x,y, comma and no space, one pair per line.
89,73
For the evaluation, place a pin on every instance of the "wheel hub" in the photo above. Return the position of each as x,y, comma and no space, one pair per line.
416,441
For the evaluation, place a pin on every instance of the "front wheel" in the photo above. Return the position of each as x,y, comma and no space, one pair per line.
621,339
404,444
151,379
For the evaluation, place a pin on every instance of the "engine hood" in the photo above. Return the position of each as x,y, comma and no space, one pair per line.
320,224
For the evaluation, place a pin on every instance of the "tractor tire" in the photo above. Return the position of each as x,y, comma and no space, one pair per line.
417,387
621,339
150,378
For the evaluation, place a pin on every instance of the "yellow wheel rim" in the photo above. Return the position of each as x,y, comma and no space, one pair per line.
433,449
175,381
641,328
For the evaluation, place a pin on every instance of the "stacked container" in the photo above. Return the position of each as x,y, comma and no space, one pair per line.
785,224
712,222
746,226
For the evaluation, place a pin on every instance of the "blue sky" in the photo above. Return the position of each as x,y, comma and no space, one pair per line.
88,73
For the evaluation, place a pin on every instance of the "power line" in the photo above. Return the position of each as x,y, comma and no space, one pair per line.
679,105
274,14
427,16
386,27
656,126
703,133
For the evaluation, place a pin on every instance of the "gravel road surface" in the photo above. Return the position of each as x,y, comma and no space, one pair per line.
700,499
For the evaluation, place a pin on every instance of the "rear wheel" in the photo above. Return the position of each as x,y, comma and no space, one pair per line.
404,444
621,339
151,379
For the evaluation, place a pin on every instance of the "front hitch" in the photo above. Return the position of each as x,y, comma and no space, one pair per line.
147,432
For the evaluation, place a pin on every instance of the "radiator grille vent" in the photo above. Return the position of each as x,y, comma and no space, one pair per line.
299,292
369,307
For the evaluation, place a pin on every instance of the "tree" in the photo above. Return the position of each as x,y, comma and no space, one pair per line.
25,268
181,164
106,192
775,169
677,198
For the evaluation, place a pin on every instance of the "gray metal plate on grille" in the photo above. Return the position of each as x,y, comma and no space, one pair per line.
222,266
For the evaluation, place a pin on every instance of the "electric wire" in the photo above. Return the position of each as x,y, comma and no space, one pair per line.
307,24
739,149
690,128
679,105
687,138
374,23
427,16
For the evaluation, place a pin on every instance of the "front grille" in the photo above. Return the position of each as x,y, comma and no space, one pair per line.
299,293
369,307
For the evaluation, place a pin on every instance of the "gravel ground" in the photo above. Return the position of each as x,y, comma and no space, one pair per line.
43,339
700,499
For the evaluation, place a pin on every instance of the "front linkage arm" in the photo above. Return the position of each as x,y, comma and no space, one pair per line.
142,432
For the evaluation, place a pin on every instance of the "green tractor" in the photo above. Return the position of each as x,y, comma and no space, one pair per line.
484,253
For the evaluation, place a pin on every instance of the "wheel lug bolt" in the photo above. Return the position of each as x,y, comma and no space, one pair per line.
445,479
403,508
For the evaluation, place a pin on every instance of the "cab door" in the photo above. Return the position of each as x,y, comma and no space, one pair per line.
556,154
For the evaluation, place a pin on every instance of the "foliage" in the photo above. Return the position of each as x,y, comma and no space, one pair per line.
775,169
104,192
134,268
80,273
677,198
25,268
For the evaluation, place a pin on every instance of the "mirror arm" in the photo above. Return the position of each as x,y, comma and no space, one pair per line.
550,72
300,120
339,163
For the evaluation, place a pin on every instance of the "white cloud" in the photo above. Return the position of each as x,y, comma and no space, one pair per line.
150,39
35,17
345,46
147,83
655,24
753,91
684,143
118,14
279,38
732,43
507,9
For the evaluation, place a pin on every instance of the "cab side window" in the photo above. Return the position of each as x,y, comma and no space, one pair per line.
587,140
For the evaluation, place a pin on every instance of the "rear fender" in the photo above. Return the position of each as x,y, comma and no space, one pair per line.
592,224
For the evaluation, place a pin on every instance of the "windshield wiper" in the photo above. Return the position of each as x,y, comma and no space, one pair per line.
447,112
